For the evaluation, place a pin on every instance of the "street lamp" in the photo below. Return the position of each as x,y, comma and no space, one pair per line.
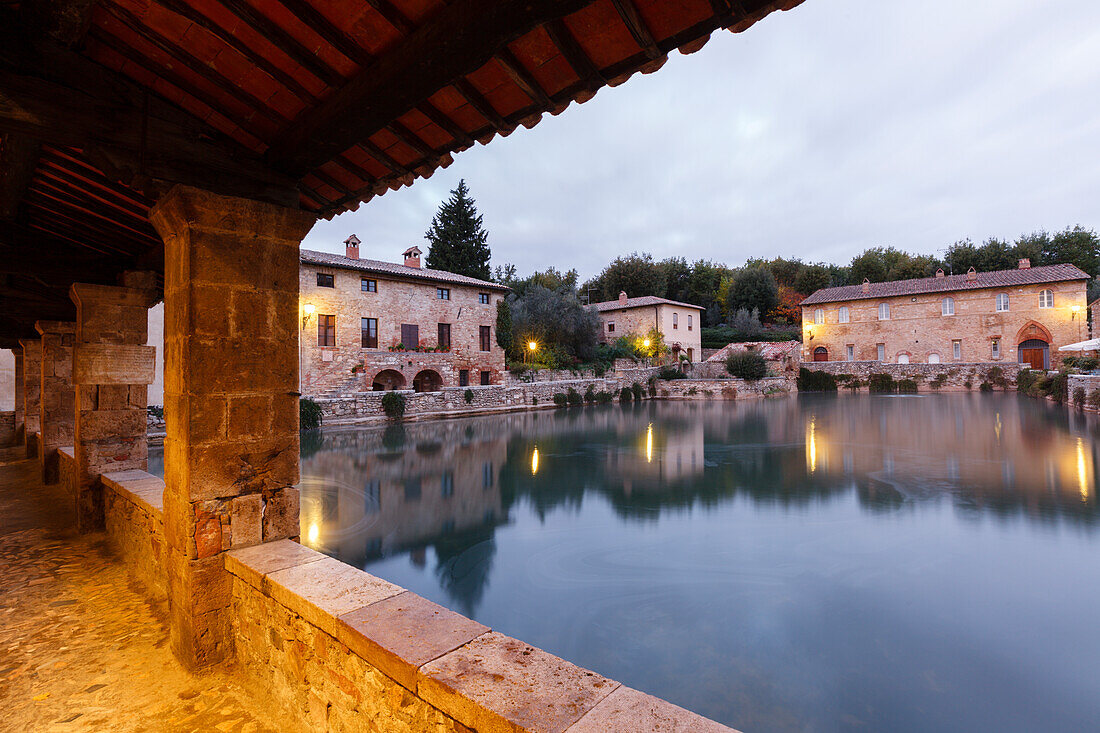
532,347
308,309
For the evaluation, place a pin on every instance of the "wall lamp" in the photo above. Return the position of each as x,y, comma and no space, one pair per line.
307,311
1076,309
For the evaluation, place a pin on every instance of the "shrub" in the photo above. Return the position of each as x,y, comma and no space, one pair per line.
603,397
574,397
813,381
534,401
469,395
1094,399
1059,387
938,381
746,365
1026,379
996,377
560,399
907,386
590,394
309,414
1079,397
669,373
968,384
652,382
639,393
158,411
985,387
692,391
881,384
1084,363
393,404
625,395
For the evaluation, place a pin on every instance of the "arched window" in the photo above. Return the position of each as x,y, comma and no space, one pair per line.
947,307
1002,302
884,311
845,315
1046,298
819,316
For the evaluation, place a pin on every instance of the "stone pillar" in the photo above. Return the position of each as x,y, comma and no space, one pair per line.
230,397
57,403
19,406
112,368
32,391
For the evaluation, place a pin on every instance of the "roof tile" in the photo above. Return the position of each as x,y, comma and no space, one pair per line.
639,302
327,259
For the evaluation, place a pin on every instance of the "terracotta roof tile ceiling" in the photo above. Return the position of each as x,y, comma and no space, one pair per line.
949,283
378,267
640,302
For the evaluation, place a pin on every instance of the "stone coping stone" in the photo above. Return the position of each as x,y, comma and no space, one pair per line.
67,451
321,591
251,564
140,487
400,634
627,709
496,683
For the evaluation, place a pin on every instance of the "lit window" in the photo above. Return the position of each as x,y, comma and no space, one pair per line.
443,293
884,312
1046,298
675,321
689,321
1002,302
845,314
483,298
850,352
996,348
368,286
611,327
325,281
819,316
957,349
947,307
881,352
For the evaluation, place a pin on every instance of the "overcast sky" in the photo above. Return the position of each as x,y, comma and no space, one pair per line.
837,126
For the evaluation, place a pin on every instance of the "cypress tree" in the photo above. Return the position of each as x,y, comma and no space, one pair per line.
456,240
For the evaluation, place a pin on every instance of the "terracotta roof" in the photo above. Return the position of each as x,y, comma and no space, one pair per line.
949,283
326,259
640,302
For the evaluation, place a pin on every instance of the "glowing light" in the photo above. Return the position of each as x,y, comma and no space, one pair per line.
309,309
1076,309
314,533
812,447
646,343
1082,471
997,426
535,462
649,444
532,346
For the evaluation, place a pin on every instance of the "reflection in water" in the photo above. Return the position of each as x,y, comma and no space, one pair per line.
817,563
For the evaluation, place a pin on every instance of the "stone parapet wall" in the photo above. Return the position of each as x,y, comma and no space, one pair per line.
724,389
133,508
343,650
1087,382
67,468
7,427
627,368
951,377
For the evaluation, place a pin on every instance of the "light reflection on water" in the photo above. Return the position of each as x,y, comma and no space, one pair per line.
819,563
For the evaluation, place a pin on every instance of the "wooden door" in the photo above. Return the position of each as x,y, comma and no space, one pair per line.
821,354
1034,357
410,335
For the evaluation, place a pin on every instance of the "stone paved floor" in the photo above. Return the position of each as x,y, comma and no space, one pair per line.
81,649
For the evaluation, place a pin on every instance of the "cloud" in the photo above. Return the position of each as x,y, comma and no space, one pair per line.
840,125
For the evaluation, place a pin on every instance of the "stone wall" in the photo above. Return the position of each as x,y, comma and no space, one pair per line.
951,377
1087,382
67,470
7,427
724,389
133,510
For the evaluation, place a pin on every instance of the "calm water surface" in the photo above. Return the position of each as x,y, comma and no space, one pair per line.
807,564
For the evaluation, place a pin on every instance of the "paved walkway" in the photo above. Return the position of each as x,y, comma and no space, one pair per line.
81,649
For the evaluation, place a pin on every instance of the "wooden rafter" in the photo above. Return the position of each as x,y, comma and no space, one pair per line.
18,159
630,16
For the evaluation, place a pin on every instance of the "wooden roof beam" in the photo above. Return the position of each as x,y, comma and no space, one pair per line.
523,79
582,66
18,160
629,14
393,16
323,27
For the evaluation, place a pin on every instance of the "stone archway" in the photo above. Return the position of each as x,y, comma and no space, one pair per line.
388,379
821,354
427,380
1033,330
1033,345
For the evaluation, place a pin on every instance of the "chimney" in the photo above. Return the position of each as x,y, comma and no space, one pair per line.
1025,264
939,273
971,275
866,286
622,297
412,256
352,245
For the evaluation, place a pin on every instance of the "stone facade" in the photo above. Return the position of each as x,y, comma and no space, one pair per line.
922,328
961,377
679,323
396,297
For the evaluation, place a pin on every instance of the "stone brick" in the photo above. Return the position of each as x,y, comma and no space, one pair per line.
246,520
280,515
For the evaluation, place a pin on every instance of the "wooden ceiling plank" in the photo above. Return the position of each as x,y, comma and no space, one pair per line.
411,139
382,157
332,35
462,139
393,16
76,210
481,105
78,186
523,79
18,159
630,16
563,38
70,160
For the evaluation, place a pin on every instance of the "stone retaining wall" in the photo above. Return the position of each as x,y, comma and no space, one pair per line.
346,651
954,376
7,427
1088,382
724,389
133,509
623,367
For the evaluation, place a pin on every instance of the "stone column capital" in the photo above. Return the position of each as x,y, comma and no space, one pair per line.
88,293
187,208
54,327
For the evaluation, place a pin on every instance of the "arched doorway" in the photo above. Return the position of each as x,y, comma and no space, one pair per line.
821,354
427,381
388,379
1035,353
933,358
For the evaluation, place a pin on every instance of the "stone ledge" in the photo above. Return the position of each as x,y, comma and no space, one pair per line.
627,709
142,488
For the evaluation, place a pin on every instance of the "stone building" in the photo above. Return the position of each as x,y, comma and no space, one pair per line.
371,325
1010,315
678,322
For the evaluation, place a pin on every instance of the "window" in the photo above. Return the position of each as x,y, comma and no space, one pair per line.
370,332
947,307
483,298
933,358
485,334
368,286
611,327
444,334
850,352
443,293
463,377
996,344
819,316
410,335
845,315
903,358
956,349
689,321
325,281
447,484
884,311
881,352
1002,302
326,330
484,379
675,321
1046,299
